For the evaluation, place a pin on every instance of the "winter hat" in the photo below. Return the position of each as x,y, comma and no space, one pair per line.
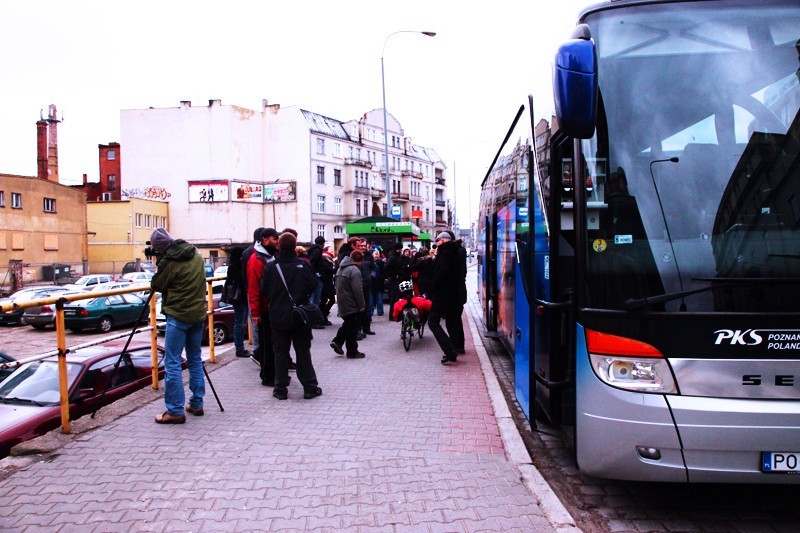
320,240
269,232
161,240
445,236
257,234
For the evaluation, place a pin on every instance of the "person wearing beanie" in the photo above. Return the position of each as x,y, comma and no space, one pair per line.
181,280
289,280
328,297
351,303
394,274
445,294
233,293
263,253
314,255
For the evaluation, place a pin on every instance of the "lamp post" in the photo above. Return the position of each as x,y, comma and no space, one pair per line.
385,124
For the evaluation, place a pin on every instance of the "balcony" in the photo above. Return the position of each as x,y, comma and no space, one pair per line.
411,174
377,193
358,163
440,181
441,203
360,190
400,196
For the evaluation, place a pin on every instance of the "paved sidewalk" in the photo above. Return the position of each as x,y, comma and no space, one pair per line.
397,442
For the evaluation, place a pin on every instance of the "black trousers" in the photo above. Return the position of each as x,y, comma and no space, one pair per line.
347,333
282,341
434,324
455,328
265,352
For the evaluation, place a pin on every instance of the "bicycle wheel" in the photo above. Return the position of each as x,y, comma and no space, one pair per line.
421,329
408,331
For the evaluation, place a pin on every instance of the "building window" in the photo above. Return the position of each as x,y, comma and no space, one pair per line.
427,213
358,206
138,220
338,230
112,182
337,205
337,149
320,203
164,222
337,177
395,187
2,198
321,146
16,200
320,230
147,221
320,174
111,155
49,205
385,209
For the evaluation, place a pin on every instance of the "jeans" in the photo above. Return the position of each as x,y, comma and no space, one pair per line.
254,330
316,296
376,301
240,314
180,335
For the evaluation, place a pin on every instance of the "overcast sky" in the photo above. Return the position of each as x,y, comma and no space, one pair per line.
456,92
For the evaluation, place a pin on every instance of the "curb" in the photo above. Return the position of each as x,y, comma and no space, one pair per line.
516,452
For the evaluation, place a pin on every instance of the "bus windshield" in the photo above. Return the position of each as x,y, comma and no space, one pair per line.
694,169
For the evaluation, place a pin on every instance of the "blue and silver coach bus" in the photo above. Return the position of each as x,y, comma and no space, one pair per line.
643,263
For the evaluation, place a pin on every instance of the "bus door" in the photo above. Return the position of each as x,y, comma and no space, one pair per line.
490,273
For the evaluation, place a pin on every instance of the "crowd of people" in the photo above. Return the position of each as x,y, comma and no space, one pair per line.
265,281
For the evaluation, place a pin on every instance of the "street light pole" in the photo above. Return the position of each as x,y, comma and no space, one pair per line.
385,123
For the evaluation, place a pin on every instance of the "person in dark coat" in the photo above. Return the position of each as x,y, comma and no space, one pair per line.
350,300
328,288
446,295
235,293
367,266
300,282
250,250
314,255
377,285
455,327
394,267
423,268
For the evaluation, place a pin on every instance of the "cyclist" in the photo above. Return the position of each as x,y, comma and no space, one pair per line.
408,300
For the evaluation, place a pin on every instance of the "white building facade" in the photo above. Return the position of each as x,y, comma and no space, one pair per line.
226,170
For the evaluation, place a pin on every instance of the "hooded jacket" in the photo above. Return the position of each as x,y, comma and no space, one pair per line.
181,280
254,269
349,288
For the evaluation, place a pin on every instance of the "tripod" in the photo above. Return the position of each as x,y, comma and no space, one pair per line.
125,354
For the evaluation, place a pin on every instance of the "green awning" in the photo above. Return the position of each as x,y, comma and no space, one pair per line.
382,228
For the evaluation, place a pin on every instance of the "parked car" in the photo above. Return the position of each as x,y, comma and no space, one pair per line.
223,322
41,316
5,372
138,277
87,282
29,397
138,266
109,286
221,271
14,316
104,313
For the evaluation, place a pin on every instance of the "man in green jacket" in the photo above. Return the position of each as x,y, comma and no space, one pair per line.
181,280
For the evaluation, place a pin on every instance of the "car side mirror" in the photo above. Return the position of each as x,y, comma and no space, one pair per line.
84,394
575,85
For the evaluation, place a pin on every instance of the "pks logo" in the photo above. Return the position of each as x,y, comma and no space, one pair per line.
747,337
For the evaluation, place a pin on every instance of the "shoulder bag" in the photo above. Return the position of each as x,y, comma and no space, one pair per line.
304,315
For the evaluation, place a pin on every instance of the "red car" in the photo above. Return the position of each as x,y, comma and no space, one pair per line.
29,398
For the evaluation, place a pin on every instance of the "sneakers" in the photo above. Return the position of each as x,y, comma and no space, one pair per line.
449,359
196,411
253,359
243,353
357,355
327,323
292,365
337,348
167,418
281,394
312,393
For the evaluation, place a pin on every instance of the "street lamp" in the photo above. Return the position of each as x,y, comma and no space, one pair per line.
385,126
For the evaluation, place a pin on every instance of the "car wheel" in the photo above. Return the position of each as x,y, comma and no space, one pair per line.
105,324
220,334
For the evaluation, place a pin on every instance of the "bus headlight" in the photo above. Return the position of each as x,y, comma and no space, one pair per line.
629,364
641,375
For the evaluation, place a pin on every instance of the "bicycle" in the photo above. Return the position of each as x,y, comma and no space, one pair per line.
411,324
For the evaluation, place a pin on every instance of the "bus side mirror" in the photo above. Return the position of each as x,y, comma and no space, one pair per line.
575,85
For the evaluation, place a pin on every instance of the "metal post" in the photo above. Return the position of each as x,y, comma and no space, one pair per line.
61,345
154,343
385,123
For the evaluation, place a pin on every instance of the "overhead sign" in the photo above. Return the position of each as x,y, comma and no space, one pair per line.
397,211
248,192
416,213
382,228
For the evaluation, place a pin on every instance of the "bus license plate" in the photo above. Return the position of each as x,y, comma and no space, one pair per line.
783,462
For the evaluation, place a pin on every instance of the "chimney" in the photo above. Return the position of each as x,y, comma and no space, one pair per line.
41,149
52,144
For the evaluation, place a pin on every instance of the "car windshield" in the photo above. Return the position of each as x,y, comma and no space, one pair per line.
37,382
694,165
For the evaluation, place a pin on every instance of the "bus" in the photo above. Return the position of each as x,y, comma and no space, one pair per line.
640,250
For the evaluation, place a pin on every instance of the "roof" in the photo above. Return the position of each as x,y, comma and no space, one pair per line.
325,125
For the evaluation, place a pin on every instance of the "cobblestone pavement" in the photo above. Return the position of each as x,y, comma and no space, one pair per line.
397,442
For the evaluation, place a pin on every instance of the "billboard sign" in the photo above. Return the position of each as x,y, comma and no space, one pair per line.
280,192
248,192
208,191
